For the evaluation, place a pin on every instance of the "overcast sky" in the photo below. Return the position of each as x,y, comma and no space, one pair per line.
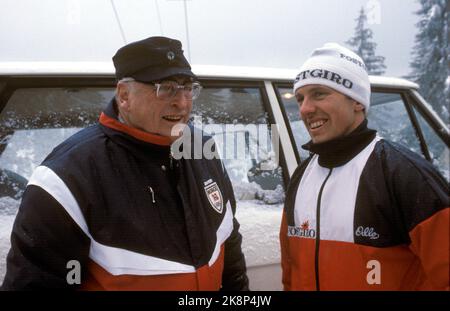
265,33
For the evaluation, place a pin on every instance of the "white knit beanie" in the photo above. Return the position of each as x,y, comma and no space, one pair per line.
338,68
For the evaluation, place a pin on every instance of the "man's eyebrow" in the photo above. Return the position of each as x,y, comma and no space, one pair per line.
314,89
318,88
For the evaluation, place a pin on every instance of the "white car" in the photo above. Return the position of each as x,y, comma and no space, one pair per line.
251,112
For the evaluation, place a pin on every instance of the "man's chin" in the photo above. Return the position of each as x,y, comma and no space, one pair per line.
319,139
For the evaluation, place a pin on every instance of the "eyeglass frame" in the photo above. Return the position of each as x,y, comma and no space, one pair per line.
158,85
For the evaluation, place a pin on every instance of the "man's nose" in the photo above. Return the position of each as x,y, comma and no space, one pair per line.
307,106
181,100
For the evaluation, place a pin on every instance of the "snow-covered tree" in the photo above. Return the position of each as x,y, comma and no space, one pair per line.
431,55
363,45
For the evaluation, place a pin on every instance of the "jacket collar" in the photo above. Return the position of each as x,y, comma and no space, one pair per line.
109,118
338,152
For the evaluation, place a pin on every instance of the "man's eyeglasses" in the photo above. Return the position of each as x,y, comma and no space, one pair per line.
166,90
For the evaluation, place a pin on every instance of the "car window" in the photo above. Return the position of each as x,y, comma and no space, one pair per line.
439,152
387,115
239,124
237,119
34,121
297,127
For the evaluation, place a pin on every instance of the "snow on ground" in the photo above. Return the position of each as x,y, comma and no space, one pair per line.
260,225
8,209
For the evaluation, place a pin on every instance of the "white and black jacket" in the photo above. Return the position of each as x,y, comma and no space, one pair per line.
363,213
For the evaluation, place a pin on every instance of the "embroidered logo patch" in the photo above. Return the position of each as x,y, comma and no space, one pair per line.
367,232
304,231
214,196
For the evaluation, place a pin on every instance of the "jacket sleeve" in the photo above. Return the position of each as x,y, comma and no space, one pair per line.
430,242
288,211
423,197
234,275
285,263
43,240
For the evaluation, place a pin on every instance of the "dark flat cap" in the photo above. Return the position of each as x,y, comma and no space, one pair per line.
151,59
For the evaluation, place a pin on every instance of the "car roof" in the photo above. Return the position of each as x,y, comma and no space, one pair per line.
106,69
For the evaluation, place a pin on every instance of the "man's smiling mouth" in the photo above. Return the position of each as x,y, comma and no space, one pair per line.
173,118
317,124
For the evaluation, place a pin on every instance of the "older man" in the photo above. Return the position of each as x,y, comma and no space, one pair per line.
361,213
111,209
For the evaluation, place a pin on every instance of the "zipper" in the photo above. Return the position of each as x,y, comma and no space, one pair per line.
318,231
192,237
171,159
152,193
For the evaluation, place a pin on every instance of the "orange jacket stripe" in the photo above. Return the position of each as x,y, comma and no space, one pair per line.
208,278
138,134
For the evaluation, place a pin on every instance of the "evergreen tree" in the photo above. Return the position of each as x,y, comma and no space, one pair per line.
431,55
363,45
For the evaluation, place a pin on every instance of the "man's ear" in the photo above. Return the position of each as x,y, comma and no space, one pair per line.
358,106
123,93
